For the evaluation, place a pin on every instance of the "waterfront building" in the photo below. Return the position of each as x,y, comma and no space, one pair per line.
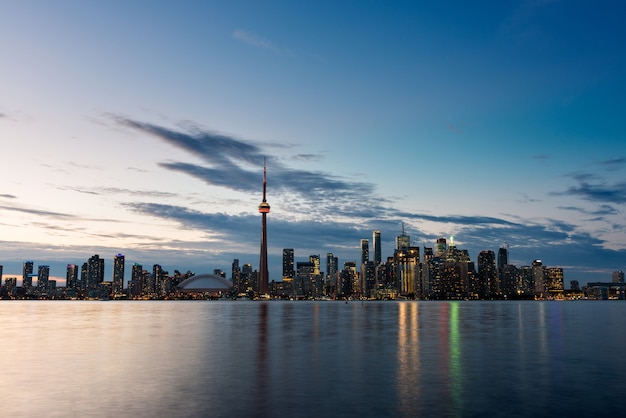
554,282
332,273
503,260
525,283
403,241
157,280
539,283
43,275
368,274
508,280
365,251
71,278
487,275
235,276
407,262
288,264
305,281
95,275
348,280
440,247
618,276
10,286
376,243
27,276
118,273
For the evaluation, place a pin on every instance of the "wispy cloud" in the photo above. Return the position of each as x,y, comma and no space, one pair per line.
31,211
8,196
255,40
590,187
116,190
228,161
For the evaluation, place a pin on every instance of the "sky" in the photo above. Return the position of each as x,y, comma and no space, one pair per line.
142,127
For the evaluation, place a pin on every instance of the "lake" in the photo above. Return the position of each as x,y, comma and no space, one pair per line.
312,359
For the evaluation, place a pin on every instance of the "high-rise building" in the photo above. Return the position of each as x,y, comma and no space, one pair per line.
554,281
403,241
365,251
71,277
288,271
95,275
487,274
315,259
157,279
118,273
407,273
503,257
618,276
441,248
332,273
43,275
539,279
27,276
264,209
376,243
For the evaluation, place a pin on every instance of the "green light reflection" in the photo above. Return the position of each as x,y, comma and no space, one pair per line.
456,373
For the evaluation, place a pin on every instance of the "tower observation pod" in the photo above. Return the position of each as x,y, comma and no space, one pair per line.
264,209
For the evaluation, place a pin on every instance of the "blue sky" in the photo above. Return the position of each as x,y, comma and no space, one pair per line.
141,127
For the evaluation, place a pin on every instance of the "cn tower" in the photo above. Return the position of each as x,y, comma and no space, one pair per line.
264,209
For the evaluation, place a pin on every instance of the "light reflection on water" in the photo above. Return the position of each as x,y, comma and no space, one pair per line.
311,359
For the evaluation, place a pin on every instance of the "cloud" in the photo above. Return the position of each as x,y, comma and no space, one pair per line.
8,196
593,190
255,40
228,161
38,212
601,211
116,190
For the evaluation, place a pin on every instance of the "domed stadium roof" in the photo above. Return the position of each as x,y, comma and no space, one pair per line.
205,283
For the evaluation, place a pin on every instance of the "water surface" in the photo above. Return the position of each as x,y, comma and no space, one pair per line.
312,359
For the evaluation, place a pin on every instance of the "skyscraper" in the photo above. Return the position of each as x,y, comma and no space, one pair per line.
71,277
403,242
264,209
27,276
288,271
441,247
487,274
95,274
118,273
43,274
377,248
365,251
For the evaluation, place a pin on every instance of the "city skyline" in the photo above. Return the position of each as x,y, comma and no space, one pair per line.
143,130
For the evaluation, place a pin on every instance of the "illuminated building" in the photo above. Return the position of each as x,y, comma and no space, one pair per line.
264,209
440,248
95,275
43,275
118,273
365,251
27,276
71,277
554,281
539,279
377,248
332,270
407,262
288,261
487,274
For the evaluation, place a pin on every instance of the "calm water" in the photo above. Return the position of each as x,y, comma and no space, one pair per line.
312,359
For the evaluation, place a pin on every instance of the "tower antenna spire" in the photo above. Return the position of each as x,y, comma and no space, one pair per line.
264,179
